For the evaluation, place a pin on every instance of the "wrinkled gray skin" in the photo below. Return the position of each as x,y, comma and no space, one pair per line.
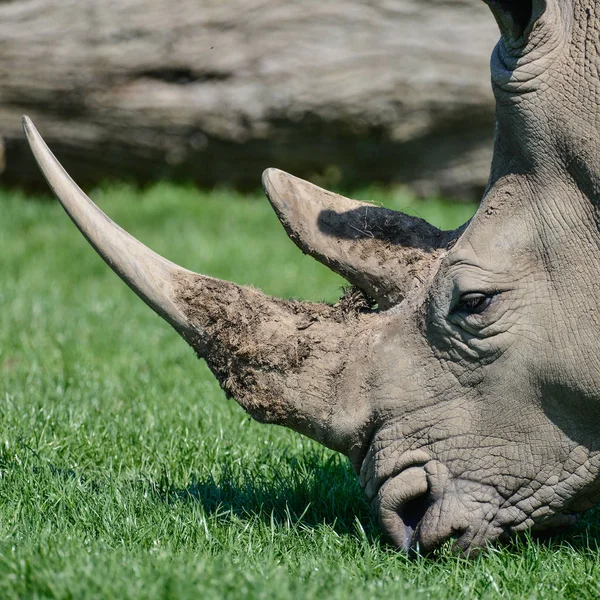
469,402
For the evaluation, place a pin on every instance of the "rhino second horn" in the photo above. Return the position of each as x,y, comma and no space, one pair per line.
383,252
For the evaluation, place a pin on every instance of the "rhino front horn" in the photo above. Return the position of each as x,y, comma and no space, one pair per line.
278,359
148,274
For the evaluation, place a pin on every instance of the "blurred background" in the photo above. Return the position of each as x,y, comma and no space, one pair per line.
343,92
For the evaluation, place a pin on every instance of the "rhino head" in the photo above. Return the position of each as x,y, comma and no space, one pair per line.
466,390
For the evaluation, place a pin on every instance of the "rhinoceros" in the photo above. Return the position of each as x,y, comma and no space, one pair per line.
465,387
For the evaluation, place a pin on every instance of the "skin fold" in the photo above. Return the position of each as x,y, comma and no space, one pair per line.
464,385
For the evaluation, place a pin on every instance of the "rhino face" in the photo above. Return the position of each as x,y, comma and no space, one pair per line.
465,387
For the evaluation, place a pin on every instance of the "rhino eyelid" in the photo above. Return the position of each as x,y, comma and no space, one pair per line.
474,303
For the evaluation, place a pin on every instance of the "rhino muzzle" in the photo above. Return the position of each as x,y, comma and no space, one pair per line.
464,384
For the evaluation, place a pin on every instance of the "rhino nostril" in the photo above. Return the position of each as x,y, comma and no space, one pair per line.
402,503
412,513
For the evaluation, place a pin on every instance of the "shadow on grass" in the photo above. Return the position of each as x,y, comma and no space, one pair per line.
583,537
307,491
312,490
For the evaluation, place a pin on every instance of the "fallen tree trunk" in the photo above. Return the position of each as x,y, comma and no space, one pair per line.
214,91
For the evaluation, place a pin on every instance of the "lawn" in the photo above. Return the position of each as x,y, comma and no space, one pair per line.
124,471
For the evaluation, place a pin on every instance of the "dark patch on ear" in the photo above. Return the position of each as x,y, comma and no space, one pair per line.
515,15
521,11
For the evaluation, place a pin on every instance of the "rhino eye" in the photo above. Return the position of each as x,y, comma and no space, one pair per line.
473,303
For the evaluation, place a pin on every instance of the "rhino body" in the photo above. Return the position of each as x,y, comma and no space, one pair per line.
466,389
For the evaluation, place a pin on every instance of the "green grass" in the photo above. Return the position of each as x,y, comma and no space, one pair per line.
124,472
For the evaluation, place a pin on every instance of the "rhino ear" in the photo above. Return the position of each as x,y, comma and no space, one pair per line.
516,16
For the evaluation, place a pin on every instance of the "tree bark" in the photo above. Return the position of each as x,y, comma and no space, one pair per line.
214,91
